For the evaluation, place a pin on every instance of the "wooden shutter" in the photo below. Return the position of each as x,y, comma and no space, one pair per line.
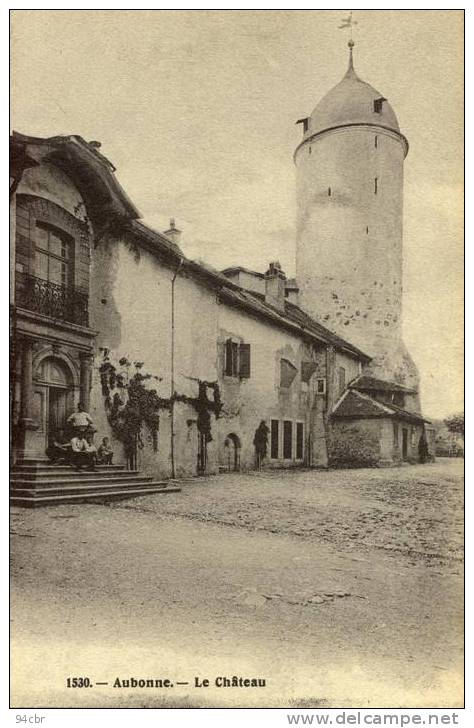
274,439
287,373
244,361
299,440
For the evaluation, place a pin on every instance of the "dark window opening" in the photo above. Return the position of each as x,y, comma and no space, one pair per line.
274,438
376,185
378,104
231,358
367,229
321,386
376,141
299,440
309,150
305,123
287,439
329,192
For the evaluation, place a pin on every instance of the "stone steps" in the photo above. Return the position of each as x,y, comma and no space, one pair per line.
41,467
49,476
35,499
42,483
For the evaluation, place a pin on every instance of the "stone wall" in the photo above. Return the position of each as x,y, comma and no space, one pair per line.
372,442
349,241
131,309
259,397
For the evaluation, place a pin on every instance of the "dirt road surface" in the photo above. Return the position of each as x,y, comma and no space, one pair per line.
336,588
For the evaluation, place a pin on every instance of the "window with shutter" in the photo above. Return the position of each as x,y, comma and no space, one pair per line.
244,361
231,366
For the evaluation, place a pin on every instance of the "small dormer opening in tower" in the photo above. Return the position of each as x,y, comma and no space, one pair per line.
305,123
378,105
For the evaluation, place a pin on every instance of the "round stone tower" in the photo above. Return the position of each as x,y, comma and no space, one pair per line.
350,220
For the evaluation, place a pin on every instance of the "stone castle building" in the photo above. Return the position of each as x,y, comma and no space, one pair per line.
244,369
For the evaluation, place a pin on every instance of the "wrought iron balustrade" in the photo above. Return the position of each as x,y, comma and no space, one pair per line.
51,299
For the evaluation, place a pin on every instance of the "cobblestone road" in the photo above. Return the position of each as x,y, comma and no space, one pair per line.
415,511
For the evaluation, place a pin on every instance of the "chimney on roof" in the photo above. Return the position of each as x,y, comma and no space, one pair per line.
173,233
275,286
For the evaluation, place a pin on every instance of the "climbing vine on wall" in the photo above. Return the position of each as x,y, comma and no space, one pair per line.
133,407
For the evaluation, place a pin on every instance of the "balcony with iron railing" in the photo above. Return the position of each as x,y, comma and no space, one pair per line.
51,299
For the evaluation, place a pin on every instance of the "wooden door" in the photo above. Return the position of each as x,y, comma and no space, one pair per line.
57,408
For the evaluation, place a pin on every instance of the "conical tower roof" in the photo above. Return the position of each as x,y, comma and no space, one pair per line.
352,102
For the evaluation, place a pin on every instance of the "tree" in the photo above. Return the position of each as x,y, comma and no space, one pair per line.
455,423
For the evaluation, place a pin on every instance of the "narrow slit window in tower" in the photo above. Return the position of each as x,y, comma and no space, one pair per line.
376,141
376,185
367,229
329,192
309,150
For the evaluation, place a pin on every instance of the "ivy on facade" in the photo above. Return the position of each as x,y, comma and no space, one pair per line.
132,407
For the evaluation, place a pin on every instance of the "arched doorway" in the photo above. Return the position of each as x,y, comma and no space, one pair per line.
53,400
231,453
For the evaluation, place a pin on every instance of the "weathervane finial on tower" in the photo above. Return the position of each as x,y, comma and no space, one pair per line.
349,23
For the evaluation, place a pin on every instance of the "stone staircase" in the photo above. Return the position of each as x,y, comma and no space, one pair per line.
39,482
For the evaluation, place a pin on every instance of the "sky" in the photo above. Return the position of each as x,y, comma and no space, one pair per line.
197,111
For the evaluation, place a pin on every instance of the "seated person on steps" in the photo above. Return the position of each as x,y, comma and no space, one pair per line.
83,452
105,452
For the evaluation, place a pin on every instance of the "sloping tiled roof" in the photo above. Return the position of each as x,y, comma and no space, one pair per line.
240,269
153,237
295,313
364,383
355,405
292,315
94,173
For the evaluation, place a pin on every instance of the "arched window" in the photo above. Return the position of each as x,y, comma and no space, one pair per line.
53,254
